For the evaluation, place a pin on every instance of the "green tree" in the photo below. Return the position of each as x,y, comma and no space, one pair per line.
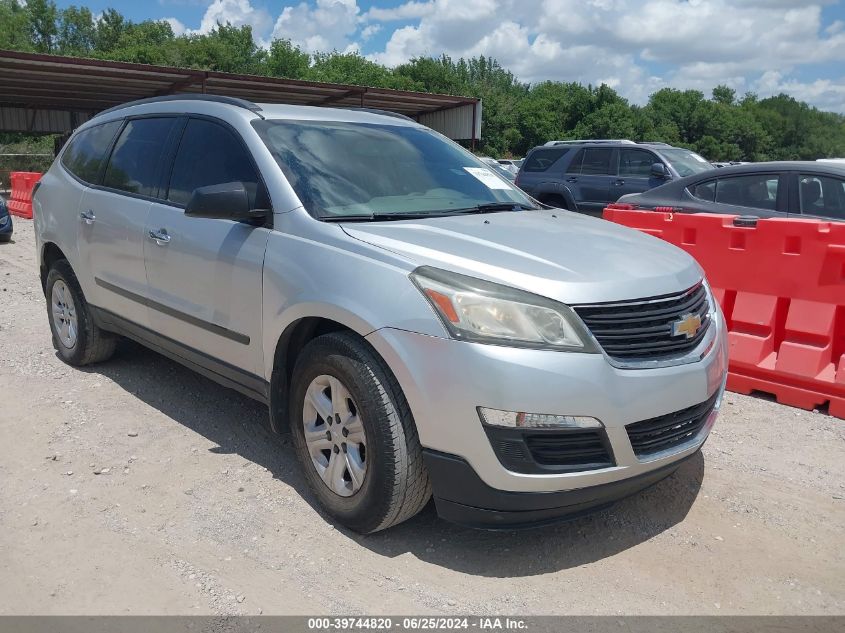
724,94
109,29
226,49
285,59
14,27
76,31
42,24
349,68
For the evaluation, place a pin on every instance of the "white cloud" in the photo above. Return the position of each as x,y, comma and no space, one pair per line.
823,93
236,13
694,43
324,25
637,46
408,11
176,25
368,31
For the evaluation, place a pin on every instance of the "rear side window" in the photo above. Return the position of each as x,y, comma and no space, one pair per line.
596,161
636,162
758,191
542,159
85,154
210,154
136,159
822,195
704,190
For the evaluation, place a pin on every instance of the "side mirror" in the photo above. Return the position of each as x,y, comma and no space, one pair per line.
658,170
227,201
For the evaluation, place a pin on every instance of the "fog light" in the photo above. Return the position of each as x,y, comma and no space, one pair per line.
520,420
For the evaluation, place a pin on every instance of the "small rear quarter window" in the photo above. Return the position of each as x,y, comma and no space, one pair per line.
704,190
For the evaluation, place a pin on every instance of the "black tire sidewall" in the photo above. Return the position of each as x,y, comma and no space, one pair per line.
364,510
61,271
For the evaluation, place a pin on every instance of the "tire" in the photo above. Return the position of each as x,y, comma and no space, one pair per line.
90,344
395,484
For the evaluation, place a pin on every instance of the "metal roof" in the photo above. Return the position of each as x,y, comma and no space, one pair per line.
37,83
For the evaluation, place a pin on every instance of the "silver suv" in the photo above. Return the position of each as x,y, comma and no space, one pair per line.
418,324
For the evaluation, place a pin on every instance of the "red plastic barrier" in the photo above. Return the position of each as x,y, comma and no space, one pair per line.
20,202
781,286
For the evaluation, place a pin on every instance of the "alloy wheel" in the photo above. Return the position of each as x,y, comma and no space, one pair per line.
64,314
334,435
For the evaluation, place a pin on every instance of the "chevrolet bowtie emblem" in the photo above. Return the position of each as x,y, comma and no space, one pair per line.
687,325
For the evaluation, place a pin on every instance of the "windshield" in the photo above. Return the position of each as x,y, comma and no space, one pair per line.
351,169
685,162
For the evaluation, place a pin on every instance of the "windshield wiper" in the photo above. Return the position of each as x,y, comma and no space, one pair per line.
375,217
487,207
494,207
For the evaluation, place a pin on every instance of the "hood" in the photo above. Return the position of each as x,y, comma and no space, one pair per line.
565,256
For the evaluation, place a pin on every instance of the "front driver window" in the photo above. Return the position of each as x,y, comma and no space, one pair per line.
209,154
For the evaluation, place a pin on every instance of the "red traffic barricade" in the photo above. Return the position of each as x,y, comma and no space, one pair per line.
781,285
20,201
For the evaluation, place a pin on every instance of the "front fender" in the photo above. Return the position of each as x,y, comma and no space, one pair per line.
305,278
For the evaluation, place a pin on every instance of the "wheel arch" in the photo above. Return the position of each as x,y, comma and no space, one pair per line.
553,191
50,253
296,335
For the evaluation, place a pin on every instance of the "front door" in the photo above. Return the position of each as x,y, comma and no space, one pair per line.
634,173
205,275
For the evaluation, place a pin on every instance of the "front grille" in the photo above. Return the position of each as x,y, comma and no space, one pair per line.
546,451
642,329
669,431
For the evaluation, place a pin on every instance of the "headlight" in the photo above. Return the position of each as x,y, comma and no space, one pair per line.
481,311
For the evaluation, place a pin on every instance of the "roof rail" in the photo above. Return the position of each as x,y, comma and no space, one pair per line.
592,140
241,103
661,143
396,115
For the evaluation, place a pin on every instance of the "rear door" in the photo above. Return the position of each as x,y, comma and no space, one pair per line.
113,216
205,275
634,173
594,180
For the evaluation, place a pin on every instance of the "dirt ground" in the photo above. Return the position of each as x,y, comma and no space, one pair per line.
139,487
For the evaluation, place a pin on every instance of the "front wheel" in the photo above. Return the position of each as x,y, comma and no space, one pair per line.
354,435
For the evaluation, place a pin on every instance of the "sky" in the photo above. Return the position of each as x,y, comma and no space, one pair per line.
634,46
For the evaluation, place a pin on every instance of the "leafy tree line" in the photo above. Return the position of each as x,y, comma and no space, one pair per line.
516,115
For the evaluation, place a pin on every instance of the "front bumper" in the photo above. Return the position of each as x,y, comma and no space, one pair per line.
445,381
461,497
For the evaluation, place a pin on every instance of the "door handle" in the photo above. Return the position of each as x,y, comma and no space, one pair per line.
88,217
572,179
619,181
160,237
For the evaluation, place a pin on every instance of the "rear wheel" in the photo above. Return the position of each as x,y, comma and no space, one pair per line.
355,436
76,337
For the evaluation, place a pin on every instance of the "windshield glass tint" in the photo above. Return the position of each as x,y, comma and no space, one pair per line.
339,169
685,162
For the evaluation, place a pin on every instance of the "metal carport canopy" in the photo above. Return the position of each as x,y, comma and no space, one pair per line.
50,93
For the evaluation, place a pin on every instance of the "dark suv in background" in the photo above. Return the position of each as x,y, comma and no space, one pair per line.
586,176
